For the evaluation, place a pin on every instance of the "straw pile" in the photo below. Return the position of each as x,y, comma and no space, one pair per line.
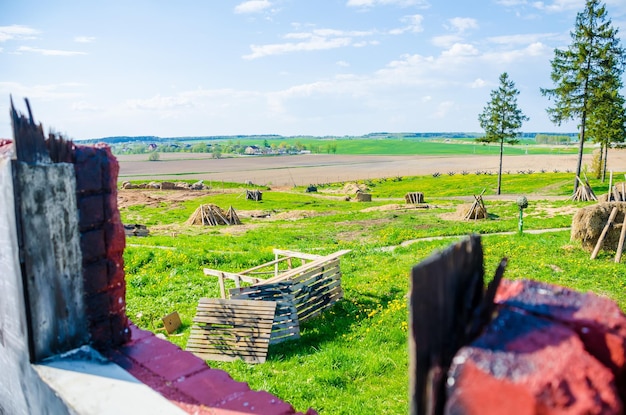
470,211
588,222
212,215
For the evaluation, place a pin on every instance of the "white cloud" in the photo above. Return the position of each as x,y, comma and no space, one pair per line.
413,24
509,3
314,43
317,39
14,32
559,5
462,24
49,52
478,83
83,106
84,39
460,49
252,6
42,92
159,102
445,41
522,39
423,4
443,109
342,64
536,49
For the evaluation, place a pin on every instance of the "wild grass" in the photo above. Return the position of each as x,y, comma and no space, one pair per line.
353,359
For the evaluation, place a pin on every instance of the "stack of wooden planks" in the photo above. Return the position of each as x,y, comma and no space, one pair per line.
298,294
226,330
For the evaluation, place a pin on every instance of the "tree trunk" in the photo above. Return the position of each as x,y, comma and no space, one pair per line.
500,170
580,149
600,174
604,161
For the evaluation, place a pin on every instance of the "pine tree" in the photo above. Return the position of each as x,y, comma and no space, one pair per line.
607,122
581,71
501,118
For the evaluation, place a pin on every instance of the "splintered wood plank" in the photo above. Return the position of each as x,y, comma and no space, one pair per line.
226,330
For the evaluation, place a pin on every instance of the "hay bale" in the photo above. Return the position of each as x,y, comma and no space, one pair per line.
588,222
471,211
363,197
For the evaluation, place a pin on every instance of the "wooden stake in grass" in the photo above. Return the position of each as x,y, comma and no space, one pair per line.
620,245
594,254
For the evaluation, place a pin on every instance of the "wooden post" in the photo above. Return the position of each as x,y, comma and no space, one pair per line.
620,245
608,196
594,254
448,307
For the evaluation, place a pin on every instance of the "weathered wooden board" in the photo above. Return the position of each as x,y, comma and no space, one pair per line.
229,329
286,325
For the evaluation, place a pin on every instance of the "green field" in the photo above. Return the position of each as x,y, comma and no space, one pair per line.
353,359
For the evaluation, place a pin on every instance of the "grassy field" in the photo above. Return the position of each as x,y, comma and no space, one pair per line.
407,146
353,359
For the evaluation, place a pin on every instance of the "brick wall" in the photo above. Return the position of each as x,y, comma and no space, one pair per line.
102,244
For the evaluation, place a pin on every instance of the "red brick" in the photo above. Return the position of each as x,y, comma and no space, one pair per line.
147,348
544,358
95,276
82,153
176,366
136,333
111,211
117,300
110,169
120,332
212,387
115,270
259,402
97,306
92,245
599,322
115,238
90,212
89,176
100,333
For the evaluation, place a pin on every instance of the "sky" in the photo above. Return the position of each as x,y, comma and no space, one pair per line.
94,69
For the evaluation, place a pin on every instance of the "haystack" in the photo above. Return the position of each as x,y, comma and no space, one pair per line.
471,211
588,222
213,215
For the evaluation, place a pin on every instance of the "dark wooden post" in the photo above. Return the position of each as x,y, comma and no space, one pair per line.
50,254
448,307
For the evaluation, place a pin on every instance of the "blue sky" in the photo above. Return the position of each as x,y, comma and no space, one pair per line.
327,67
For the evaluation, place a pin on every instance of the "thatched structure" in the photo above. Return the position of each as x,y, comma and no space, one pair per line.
212,215
588,222
471,211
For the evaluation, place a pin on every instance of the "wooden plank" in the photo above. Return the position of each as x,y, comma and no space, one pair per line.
307,267
295,254
231,275
231,329
440,287
594,254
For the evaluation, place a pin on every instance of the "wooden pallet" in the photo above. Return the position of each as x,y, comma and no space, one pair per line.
226,330
286,325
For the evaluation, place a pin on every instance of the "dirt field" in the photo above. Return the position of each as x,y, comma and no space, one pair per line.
317,168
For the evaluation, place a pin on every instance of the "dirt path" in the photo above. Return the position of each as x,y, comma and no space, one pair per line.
321,168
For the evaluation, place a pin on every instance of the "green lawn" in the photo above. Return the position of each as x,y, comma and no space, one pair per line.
353,359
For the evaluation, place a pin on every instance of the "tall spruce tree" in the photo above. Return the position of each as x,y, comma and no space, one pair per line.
583,69
501,118
606,124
